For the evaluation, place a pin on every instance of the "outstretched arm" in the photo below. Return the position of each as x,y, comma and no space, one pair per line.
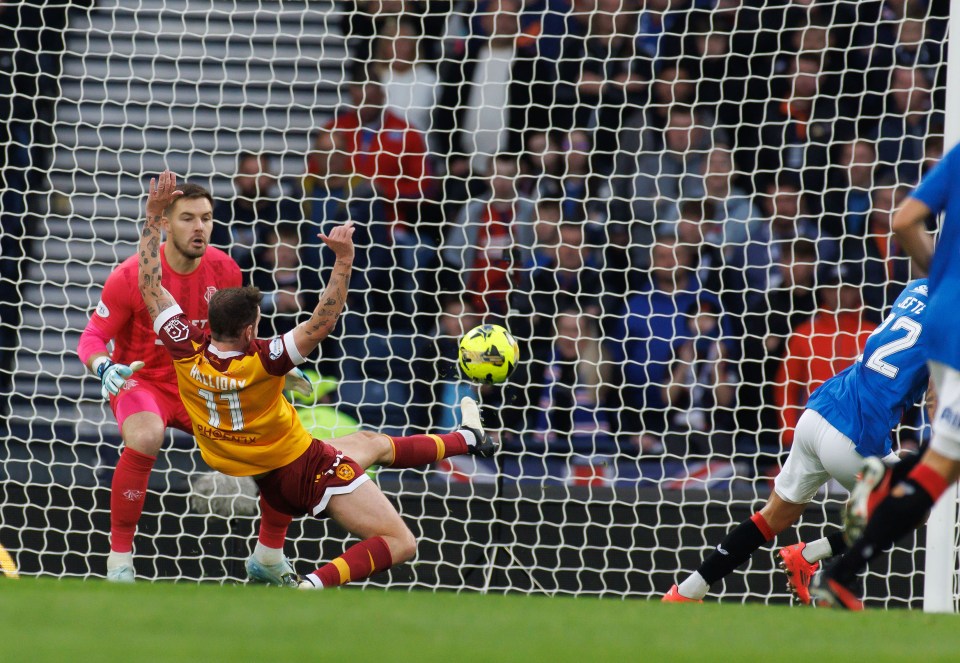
163,191
908,226
310,333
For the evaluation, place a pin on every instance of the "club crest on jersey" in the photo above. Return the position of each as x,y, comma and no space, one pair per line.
276,348
208,295
102,310
176,330
345,473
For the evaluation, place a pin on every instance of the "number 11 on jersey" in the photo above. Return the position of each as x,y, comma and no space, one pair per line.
232,399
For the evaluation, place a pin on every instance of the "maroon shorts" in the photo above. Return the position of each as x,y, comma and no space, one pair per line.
307,484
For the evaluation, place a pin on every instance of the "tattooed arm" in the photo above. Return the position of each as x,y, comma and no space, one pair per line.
310,333
161,196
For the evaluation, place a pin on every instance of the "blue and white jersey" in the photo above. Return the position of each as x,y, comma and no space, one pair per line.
940,191
867,400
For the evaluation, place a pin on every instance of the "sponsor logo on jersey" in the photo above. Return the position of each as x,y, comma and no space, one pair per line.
176,329
102,310
345,473
922,289
208,295
276,348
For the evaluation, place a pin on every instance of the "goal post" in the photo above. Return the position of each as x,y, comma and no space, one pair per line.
940,568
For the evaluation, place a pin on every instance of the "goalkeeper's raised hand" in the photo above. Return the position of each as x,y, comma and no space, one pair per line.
112,376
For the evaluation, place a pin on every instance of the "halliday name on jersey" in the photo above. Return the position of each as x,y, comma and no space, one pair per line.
217,382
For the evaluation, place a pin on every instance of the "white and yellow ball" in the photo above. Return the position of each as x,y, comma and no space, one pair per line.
488,354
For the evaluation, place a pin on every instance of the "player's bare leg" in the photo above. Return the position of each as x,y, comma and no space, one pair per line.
386,539
142,437
776,516
369,448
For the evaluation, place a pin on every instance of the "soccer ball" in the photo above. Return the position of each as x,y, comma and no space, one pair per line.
488,353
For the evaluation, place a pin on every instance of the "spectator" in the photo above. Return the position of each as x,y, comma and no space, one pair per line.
823,346
598,73
849,199
546,165
376,156
783,222
258,206
701,388
288,284
904,125
649,185
733,208
486,243
361,23
409,84
568,279
796,131
773,311
477,88
437,383
642,342
370,166
569,413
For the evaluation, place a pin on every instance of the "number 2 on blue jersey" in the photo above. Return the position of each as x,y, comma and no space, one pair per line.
876,361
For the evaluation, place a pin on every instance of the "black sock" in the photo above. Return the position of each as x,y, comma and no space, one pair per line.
895,516
838,544
737,547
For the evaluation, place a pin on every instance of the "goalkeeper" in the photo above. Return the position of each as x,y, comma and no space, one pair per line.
232,386
847,419
137,376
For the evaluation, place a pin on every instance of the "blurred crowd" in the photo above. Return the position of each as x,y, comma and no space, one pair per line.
681,209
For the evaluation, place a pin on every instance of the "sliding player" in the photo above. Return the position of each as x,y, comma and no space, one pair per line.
847,419
232,386
907,502
147,404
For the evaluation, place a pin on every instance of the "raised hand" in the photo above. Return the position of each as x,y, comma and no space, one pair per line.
163,191
341,241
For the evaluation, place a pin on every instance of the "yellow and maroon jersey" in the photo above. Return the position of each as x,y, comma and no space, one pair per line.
242,422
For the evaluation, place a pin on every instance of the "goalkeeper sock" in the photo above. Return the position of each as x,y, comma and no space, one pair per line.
273,528
420,450
828,546
127,494
902,511
359,561
735,548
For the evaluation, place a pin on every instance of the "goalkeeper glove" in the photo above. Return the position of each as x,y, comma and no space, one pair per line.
298,382
112,376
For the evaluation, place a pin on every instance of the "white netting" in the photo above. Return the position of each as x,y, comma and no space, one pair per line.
653,196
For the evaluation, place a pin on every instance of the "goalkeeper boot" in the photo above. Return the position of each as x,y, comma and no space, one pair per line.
484,447
798,570
674,596
828,593
872,486
120,568
278,575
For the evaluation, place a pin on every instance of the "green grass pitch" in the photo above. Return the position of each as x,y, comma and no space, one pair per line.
72,620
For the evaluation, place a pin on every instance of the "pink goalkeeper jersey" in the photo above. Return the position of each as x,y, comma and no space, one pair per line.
122,315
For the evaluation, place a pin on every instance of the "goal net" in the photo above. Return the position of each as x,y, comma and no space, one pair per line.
681,208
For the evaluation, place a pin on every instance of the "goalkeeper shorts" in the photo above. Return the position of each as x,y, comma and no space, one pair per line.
144,396
307,484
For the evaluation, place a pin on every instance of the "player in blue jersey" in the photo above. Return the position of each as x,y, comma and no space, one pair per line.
847,419
904,505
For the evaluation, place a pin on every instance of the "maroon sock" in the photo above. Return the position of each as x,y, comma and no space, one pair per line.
359,561
127,494
420,450
273,525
